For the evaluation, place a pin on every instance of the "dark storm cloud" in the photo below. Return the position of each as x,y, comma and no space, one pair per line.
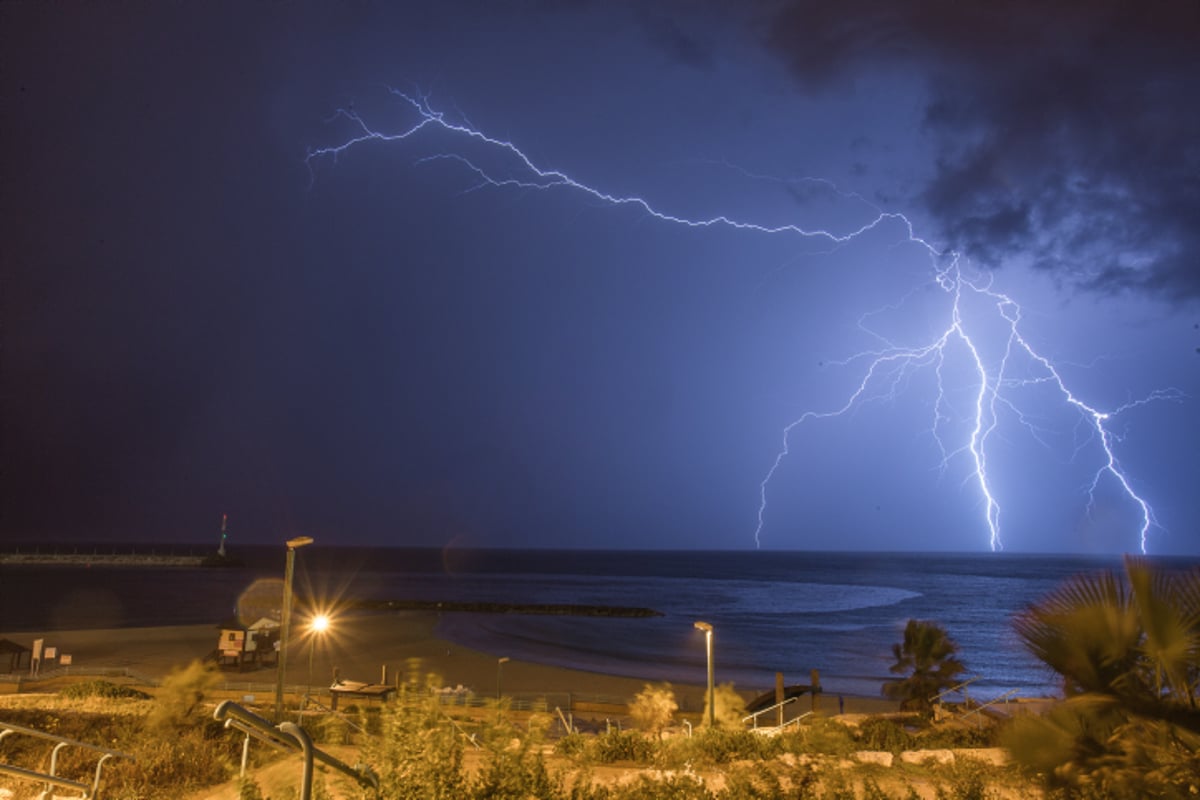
1067,132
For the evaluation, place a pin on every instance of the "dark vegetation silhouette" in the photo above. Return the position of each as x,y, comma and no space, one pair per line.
1127,647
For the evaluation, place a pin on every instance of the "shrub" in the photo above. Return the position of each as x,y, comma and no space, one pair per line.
328,729
673,787
248,790
951,737
836,787
191,758
416,754
622,746
105,689
967,784
759,783
180,694
573,745
653,708
877,733
823,736
722,746
873,791
729,706
517,772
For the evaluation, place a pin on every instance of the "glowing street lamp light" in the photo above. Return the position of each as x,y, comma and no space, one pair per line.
285,619
316,627
499,670
712,700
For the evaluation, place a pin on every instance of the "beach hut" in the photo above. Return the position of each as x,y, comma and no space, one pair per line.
254,644
14,658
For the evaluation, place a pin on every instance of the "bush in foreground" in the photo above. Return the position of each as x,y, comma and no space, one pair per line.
104,689
653,708
1128,650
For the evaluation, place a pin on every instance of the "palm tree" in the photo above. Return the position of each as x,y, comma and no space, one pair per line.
927,656
1134,639
1128,650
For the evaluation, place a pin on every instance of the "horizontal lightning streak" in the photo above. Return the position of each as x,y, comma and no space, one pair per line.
890,361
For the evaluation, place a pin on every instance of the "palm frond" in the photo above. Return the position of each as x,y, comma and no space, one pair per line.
1171,643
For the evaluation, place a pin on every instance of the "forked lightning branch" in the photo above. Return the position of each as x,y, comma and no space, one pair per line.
994,380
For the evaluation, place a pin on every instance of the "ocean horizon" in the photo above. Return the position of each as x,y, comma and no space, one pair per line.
771,611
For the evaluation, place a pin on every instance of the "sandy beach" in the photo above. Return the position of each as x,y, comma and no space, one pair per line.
360,647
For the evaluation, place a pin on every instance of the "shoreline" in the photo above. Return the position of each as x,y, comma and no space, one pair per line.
362,648
491,607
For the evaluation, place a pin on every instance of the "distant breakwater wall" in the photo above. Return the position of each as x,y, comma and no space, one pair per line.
103,559
553,609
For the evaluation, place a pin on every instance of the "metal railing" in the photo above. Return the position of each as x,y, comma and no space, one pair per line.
52,778
753,718
794,721
320,708
937,697
289,737
1004,698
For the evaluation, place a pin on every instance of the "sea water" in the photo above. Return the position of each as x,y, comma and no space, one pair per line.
789,612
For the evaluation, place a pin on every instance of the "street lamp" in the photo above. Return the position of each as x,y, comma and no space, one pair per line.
285,619
318,626
712,700
500,669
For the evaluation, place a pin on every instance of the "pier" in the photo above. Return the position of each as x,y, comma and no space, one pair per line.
102,559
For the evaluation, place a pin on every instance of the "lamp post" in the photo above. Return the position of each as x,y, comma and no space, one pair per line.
285,619
318,626
499,670
712,700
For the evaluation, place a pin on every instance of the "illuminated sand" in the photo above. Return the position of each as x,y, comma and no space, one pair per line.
359,647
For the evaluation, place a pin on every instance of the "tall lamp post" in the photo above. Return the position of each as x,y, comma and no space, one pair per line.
285,619
712,700
317,627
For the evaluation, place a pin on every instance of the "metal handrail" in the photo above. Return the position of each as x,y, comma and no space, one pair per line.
775,707
51,778
39,777
308,701
991,702
954,689
794,721
290,736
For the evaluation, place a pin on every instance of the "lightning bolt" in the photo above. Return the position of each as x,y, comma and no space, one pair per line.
886,368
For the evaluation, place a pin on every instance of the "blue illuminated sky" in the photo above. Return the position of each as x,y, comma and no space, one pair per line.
386,348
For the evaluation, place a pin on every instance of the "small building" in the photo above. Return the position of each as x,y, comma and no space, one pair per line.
14,658
253,645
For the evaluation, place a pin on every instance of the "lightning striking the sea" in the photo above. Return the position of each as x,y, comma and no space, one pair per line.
1008,363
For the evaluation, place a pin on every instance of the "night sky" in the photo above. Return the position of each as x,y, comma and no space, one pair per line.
411,343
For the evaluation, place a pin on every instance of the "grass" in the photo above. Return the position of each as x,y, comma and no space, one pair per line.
420,751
